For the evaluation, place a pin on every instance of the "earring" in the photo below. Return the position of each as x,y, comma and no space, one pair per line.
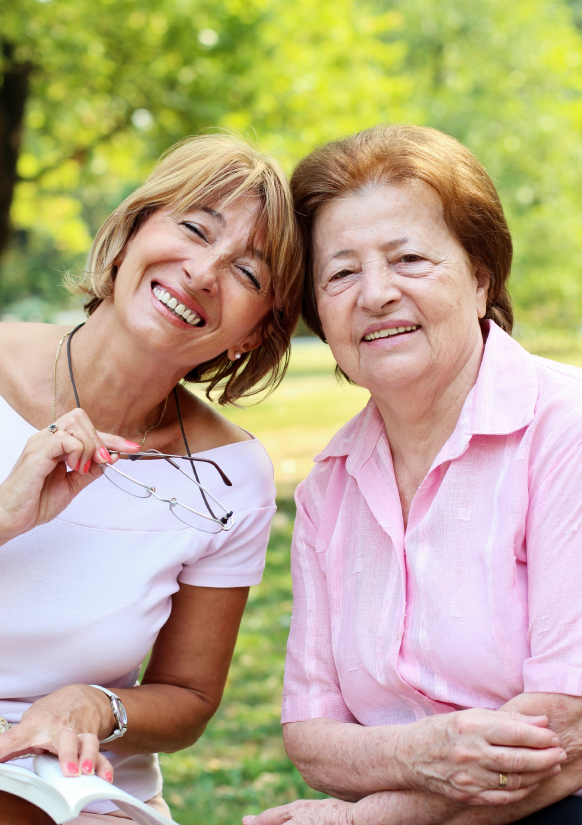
237,355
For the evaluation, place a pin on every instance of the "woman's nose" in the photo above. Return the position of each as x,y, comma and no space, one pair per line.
203,275
377,288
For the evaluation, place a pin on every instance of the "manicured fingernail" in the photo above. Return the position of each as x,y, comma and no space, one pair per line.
87,766
78,464
555,741
131,444
86,467
72,768
108,776
104,454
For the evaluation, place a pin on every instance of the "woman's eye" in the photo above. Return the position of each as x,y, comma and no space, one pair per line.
410,259
195,229
251,276
339,275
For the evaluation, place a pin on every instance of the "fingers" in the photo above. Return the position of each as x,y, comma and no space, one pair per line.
511,729
90,444
66,744
104,768
88,748
272,816
523,760
79,755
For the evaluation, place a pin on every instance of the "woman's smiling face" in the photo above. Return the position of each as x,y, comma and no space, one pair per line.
194,285
397,295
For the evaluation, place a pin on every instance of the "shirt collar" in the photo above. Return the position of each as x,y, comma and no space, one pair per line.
501,402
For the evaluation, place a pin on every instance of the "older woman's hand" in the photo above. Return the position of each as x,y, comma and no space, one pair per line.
305,812
39,486
68,723
461,755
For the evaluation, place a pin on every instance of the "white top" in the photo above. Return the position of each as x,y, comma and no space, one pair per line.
82,599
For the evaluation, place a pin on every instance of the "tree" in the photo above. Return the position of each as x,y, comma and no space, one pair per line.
113,84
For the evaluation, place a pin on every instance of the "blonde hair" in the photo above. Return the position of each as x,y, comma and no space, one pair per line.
388,154
200,171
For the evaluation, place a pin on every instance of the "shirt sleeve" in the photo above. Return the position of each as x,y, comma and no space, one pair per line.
235,558
311,685
554,569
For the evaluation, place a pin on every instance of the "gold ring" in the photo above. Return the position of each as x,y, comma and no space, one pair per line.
63,727
503,779
5,725
52,430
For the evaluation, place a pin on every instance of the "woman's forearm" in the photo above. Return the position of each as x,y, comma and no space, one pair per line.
162,718
404,808
345,760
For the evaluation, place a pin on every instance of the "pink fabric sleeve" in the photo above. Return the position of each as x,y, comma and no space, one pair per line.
311,685
554,568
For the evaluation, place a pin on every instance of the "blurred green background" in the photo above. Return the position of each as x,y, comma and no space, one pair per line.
93,91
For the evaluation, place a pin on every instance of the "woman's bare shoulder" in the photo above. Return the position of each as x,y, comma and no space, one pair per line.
206,428
28,350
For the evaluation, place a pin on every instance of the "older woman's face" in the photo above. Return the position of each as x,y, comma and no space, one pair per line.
193,285
397,295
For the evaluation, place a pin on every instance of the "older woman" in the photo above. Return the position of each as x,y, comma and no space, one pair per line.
195,276
434,668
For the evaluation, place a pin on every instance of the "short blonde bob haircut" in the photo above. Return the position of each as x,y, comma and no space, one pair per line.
396,154
202,171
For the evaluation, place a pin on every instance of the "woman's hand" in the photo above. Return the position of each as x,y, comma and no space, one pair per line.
305,812
39,486
461,755
68,723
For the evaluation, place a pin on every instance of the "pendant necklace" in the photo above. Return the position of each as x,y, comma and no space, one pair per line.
67,338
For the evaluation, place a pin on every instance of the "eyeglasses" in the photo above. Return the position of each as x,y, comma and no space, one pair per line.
207,522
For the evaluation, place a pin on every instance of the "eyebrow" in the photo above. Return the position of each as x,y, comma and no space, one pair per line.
213,213
387,246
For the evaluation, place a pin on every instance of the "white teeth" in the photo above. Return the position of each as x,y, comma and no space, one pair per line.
179,309
386,333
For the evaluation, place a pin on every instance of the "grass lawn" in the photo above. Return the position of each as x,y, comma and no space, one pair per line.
239,766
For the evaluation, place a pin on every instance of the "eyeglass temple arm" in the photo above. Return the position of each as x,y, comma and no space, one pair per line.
221,473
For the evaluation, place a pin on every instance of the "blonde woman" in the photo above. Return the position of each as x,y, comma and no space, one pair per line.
195,276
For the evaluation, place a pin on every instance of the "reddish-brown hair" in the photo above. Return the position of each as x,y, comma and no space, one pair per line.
397,154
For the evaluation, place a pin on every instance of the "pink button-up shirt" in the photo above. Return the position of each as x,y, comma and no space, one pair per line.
480,599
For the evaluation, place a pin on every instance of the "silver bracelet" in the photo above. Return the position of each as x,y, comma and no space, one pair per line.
118,710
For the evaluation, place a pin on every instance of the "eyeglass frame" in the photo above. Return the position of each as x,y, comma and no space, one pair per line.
225,523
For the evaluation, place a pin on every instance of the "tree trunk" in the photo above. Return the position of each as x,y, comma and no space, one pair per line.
13,94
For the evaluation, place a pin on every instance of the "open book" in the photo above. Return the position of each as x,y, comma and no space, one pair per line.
64,798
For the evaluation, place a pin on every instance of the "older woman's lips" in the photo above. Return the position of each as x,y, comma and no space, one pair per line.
172,303
388,332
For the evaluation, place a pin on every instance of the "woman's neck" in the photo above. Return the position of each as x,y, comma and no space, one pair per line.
120,385
420,419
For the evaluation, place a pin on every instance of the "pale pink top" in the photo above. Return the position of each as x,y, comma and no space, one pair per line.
480,599
83,598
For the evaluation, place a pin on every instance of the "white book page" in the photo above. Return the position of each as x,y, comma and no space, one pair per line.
27,785
80,791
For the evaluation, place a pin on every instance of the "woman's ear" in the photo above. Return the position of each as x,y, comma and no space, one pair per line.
251,342
483,278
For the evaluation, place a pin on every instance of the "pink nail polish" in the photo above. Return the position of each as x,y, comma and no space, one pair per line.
108,776
87,766
104,454
131,444
86,467
72,768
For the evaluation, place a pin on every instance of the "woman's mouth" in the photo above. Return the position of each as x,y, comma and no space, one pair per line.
388,332
176,307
